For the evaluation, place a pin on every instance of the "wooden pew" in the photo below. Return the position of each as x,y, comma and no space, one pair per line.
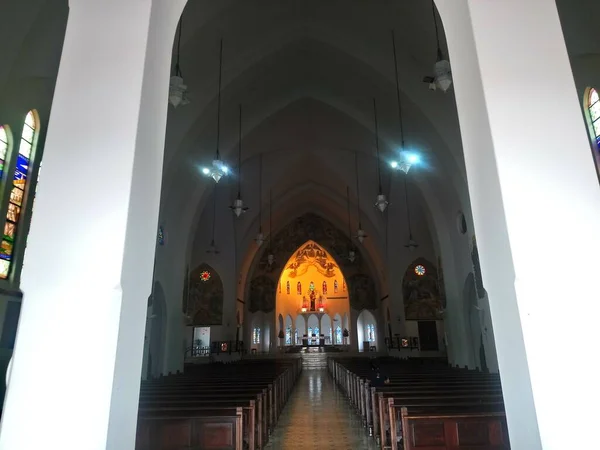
451,430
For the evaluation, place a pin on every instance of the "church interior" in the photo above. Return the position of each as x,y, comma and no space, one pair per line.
319,224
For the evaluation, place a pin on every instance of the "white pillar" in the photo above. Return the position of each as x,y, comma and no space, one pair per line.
535,198
86,280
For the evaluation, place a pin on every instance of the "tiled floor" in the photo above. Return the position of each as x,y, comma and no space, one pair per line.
318,416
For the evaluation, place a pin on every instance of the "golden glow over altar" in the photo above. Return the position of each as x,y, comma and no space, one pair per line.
312,283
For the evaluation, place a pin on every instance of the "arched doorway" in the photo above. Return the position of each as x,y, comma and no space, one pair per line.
366,330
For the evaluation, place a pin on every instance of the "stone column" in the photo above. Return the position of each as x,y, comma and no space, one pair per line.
535,198
87,272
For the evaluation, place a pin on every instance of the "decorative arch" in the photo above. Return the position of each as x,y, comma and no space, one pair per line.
262,294
205,305
421,293
20,195
592,107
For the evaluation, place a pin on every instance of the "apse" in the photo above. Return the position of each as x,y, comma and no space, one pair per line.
311,290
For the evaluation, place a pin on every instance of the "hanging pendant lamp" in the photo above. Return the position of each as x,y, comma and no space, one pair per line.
260,237
218,169
441,69
177,89
351,252
360,233
381,203
411,244
238,204
212,248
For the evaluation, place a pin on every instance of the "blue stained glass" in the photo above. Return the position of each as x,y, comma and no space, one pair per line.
161,236
22,168
338,335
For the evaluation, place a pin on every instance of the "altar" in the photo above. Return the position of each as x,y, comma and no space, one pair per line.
313,340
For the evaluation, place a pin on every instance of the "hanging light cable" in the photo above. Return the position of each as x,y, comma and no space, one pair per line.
238,204
441,69
351,252
407,159
412,244
270,256
381,202
260,237
177,90
218,169
213,247
360,233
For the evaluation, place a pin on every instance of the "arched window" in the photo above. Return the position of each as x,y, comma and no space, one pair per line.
288,335
338,334
3,149
593,108
256,335
17,200
324,287
371,333
287,288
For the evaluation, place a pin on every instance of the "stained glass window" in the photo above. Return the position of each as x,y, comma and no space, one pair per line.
593,104
256,336
296,339
3,149
338,334
335,287
371,333
288,336
311,286
287,287
161,236
324,287
316,331
420,270
299,288
310,332
205,275
17,194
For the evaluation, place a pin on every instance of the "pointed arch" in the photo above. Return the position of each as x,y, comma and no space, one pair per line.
421,292
20,196
205,305
592,107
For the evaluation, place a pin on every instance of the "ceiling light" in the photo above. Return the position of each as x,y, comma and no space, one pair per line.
206,171
381,202
260,238
394,164
238,207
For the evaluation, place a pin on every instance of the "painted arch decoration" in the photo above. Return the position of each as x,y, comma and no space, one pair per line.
205,303
262,294
420,289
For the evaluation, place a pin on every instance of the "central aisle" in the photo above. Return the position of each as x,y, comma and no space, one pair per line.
318,416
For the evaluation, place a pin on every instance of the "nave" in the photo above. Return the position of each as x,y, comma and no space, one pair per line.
319,416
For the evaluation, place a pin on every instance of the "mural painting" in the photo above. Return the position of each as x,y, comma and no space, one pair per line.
262,294
205,302
421,292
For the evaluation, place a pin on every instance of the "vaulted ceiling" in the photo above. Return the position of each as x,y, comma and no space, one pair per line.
305,72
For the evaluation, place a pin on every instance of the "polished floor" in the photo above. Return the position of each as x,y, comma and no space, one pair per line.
318,416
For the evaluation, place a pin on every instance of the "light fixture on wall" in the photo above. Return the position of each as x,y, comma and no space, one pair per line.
442,74
260,237
177,89
212,248
238,204
360,233
351,252
381,203
218,168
